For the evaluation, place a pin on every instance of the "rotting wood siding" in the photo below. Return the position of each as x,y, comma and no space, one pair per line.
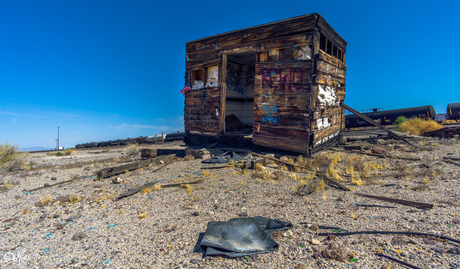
296,102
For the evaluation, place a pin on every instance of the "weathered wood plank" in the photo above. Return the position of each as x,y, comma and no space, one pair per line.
108,172
283,144
331,60
331,34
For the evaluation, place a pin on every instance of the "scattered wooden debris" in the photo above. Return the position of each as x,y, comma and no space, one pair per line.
428,164
51,185
452,162
108,172
216,167
398,201
382,155
198,153
136,190
152,153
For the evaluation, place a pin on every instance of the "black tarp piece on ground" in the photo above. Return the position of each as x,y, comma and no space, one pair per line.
225,158
241,236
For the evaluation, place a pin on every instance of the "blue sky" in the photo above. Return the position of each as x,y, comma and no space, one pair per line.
113,69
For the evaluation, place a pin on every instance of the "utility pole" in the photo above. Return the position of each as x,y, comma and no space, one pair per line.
57,141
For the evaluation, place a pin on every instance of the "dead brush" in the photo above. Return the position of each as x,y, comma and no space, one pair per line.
71,198
279,175
262,175
258,167
132,149
317,161
189,158
10,158
45,200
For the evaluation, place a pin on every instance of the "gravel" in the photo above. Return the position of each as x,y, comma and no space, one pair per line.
160,229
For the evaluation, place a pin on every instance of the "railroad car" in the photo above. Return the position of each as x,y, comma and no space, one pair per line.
387,117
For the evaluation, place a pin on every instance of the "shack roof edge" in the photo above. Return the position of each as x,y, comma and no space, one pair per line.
253,27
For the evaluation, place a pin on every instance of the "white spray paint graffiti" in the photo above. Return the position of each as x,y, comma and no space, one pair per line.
326,97
213,76
326,138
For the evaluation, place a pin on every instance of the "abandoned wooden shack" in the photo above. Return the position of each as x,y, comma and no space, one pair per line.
280,82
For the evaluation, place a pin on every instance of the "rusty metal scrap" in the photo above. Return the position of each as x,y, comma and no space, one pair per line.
398,201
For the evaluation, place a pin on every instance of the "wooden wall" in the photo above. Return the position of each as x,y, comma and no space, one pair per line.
296,102
282,105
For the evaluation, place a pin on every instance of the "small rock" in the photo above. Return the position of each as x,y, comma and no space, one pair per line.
79,236
117,180
60,226
379,150
56,216
46,185
314,227
380,141
398,241
413,241
454,251
308,249
186,206
439,250
97,186
456,221
315,242
196,213
194,261
429,241
403,254
300,266
54,178
317,255
243,214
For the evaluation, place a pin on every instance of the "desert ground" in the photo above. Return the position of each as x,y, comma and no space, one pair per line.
83,223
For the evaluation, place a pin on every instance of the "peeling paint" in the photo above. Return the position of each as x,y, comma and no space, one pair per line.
303,53
326,138
198,84
323,123
327,97
213,76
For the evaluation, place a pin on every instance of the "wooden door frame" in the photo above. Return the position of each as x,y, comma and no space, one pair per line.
223,93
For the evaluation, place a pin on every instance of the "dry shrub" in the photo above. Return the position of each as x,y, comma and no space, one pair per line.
10,157
258,167
189,158
450,121
318,161
187,188
132,149
417,126
356,179
71,198
44,200
262,175
68,151
142,215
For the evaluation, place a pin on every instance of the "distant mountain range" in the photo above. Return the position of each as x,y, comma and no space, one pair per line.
34,149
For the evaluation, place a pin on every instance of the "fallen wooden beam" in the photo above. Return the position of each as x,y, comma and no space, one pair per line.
398,201
51,185
108,172
369,120
452,162
181,183
136,190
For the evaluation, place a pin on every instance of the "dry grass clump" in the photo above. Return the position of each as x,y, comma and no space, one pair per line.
262,175
132,149
68,151
258,167
187,188
450,121
71,198
189,158
317,161
142,215
45,200
10,157
336,252
417,126
279,175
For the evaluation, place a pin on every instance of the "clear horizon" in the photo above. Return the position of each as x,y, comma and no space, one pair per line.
107,70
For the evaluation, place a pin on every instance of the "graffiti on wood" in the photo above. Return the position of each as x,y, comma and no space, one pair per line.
270,114
283,79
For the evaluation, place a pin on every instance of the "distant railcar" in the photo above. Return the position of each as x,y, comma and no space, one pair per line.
387,117
137,140
453,111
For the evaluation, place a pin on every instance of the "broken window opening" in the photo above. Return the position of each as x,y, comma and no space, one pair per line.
198,79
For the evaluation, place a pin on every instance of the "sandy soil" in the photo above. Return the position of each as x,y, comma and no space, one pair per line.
83,224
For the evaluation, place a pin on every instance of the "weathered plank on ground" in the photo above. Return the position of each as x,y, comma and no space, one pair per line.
108,172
